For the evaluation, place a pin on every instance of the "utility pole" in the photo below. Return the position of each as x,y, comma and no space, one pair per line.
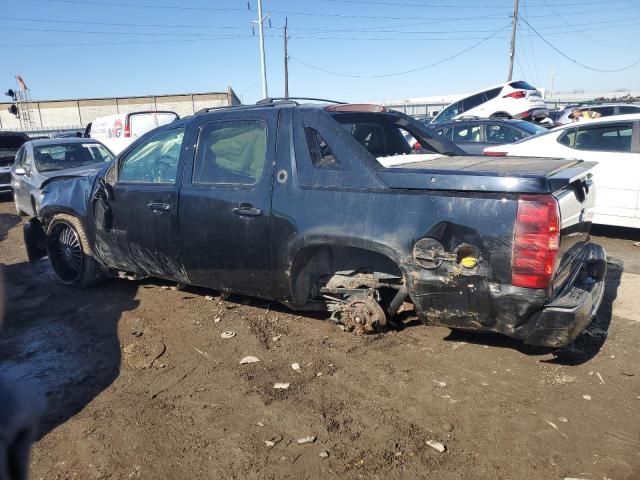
514,27
286,61
263,66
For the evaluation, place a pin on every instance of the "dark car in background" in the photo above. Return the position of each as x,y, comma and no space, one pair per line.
10,143
38,162
474,135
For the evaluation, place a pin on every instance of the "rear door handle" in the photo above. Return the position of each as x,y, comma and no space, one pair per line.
247,211
159,207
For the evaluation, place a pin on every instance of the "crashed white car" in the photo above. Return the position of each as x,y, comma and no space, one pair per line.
515,99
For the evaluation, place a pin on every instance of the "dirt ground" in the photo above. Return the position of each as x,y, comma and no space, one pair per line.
140,384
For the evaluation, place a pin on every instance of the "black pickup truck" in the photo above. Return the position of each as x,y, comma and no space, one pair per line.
352,209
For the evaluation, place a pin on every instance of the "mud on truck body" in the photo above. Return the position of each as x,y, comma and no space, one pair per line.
291,202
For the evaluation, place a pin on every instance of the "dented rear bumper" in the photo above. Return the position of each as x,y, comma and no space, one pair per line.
564,318
471,302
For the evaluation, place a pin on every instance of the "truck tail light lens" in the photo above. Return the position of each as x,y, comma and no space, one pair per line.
516,94
127,130
536,241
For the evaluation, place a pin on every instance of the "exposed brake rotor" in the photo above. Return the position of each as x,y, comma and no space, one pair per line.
362,314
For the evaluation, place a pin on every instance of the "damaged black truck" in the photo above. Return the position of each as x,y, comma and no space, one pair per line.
352,209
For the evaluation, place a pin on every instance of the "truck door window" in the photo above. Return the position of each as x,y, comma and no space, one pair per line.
231,152
155,160
321,154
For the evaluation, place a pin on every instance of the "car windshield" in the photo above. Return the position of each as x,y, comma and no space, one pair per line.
9,146
49,158
532,128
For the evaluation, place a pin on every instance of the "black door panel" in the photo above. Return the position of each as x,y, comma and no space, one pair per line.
225,203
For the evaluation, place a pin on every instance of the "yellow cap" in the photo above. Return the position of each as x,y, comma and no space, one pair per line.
469,262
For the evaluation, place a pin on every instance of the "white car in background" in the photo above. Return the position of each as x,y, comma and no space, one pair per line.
613,142
515,99
118,131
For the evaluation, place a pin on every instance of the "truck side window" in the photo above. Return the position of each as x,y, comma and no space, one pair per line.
155,160
231,152
321,154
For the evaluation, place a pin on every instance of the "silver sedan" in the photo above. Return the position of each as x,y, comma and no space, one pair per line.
39,161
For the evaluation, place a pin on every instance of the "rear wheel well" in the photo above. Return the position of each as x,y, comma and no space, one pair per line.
314,265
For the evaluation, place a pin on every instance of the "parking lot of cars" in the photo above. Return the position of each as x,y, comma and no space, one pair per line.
243,293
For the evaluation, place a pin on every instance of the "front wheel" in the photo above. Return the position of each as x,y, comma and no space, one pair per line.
70,253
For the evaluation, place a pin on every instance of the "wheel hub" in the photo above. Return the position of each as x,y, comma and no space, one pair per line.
362,314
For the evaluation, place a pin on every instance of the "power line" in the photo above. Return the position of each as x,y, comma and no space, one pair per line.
580,32
457,5
145,5
115,24
588,67
144,42
293,13
319,30
395,74
101,32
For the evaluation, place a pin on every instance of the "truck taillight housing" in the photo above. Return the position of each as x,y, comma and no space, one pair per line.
127,130
516,94
536,241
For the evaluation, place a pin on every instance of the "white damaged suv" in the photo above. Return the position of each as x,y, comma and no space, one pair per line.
515,99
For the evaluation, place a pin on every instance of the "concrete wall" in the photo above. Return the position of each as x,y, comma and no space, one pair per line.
66,114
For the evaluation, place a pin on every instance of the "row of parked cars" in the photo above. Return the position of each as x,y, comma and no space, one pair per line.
612,139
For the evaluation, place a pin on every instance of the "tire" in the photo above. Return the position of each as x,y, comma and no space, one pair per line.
500,115
70,252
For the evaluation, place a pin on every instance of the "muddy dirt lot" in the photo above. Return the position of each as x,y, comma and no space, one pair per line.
140,384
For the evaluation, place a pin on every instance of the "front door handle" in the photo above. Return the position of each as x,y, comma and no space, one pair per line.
159,207
247,211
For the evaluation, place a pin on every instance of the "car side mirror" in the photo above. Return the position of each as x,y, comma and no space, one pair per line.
20,171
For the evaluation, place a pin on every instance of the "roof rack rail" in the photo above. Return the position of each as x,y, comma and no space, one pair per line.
270,100
221,107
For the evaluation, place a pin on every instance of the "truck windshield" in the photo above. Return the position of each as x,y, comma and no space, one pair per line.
49,158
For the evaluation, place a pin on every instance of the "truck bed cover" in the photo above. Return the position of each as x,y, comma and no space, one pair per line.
486,174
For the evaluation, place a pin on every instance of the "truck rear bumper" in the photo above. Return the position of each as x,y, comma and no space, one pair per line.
562,320
471,303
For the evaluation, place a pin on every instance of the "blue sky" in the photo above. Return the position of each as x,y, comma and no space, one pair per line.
99,48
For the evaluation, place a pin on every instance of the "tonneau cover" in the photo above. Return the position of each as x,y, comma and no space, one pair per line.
488,174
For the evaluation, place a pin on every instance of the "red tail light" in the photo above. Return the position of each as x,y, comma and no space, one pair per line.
536,241
495,154
127,130
417,146
516,94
